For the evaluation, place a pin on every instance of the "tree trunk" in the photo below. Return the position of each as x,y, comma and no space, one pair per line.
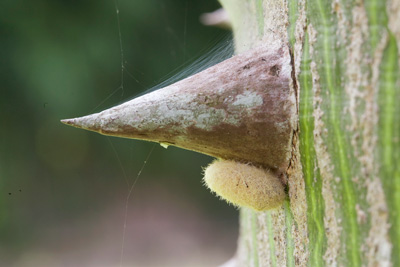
344,179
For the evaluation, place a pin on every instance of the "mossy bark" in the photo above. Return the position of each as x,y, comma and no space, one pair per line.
344,179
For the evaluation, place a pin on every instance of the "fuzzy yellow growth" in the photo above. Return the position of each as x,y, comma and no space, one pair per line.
244,185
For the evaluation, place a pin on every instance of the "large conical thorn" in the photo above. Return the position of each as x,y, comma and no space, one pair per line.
242,109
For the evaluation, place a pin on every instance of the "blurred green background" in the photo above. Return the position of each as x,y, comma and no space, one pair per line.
63,190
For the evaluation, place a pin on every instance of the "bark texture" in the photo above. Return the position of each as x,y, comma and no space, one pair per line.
344,177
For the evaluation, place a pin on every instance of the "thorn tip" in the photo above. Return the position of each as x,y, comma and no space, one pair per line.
68,122
73,122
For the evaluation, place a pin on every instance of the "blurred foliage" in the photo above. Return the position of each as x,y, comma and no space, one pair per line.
62,59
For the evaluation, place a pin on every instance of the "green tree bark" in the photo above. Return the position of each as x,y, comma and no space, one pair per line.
344,180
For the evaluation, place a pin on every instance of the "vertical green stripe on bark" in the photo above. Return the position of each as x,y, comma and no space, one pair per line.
260,16
376,11
289,238
312,178
254,230
389,143
271,239
330,62
246,227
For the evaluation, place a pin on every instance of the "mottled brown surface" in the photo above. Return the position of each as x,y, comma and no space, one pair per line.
241,109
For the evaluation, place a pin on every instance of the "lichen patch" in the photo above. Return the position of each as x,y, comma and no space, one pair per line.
248,99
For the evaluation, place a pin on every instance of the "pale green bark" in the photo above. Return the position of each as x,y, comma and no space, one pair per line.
344,180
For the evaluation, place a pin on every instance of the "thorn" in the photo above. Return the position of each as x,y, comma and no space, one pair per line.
68,122
238,109
86,122
73,122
